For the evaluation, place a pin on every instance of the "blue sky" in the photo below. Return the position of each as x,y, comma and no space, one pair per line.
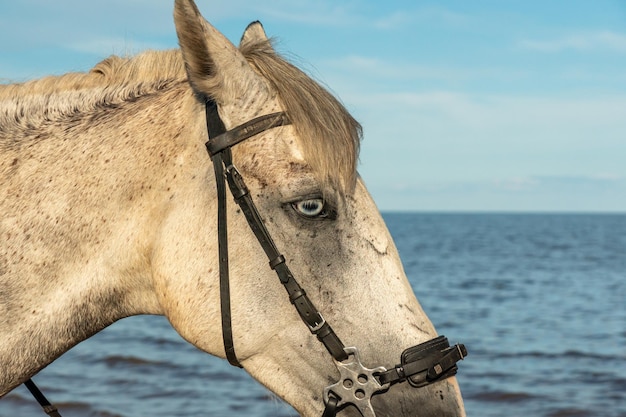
466,105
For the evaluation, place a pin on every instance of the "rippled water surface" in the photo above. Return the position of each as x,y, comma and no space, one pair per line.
539,300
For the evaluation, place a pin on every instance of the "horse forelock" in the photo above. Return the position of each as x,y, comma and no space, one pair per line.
328,134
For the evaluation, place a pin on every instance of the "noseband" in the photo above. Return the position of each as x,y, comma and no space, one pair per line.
420,365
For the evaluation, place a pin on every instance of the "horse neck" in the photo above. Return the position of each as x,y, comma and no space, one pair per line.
80,211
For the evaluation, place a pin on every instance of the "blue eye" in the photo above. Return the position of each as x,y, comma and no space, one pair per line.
312,207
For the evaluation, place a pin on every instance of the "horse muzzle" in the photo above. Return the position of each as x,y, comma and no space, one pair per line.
420,365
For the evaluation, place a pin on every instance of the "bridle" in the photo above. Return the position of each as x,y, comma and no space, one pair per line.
419,366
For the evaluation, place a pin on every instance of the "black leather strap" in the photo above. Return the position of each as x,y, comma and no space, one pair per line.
48,408
425,363
331,407
228,139
215,128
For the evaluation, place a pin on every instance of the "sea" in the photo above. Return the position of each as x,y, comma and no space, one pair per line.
538,299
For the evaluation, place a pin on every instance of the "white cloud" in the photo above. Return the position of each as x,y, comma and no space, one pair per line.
41,23
65,23
533,193
318,13
393,20
425,14
374,67
511,111
591,41
508,142
515,184
104,46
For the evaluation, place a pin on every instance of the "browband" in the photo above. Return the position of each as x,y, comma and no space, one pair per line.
242,132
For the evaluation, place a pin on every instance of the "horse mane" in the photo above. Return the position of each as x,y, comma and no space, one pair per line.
328,134
26,106
148,67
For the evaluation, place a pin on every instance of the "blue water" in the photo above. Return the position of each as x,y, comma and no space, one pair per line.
539,300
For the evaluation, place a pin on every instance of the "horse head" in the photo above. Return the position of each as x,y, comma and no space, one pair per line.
302,177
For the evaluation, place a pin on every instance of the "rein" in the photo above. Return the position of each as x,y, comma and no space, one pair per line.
48,408
420,365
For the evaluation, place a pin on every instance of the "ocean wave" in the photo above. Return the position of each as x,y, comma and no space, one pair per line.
116,360
503,396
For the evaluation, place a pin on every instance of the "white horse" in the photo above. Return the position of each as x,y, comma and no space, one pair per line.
108,209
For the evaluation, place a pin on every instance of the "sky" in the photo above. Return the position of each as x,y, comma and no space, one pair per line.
514,106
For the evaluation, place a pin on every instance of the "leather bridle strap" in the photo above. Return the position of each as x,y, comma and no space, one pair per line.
227,139
425,363
48,408
215,127
220,142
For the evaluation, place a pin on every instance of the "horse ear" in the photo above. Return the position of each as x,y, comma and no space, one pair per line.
254,33
215,67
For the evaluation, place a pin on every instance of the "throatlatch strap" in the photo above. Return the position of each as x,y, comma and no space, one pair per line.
216,128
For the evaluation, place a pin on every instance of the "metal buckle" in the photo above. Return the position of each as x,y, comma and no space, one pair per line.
458,348
357,384
317,327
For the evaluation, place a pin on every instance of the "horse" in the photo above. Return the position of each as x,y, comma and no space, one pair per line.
108,210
